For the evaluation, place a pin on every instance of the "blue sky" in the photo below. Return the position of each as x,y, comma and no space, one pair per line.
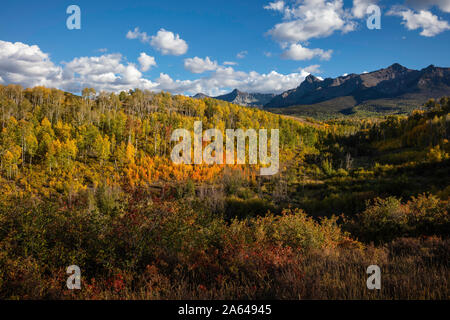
280,46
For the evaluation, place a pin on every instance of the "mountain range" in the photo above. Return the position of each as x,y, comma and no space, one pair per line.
390,89
395,81
243,98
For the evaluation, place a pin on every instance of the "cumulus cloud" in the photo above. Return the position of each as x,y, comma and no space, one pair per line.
309,19
106,72
360,7
146,61
276,6
199,65
225,78
164,41
430,24
29,66
444,5
229,63
315,68
136,34
298,52
312,19
169,43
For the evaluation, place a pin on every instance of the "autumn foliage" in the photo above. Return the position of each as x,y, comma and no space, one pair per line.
87,180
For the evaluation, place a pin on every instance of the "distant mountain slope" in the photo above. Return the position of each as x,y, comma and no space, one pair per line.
200,96
246,99
395,83
242,98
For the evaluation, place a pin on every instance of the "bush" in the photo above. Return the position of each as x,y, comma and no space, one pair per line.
294,228
387,219
164,244
241,209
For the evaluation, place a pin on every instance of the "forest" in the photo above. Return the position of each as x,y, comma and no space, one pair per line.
88,181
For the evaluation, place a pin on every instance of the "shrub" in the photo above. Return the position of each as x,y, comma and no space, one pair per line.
387,219
241,209
294,228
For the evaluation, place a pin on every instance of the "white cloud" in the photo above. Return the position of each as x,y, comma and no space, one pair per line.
360,7
226,78
242,54
29,66
430,24
229,63
106,72
298,52
199,65
95,66
272,82
444,5
169,43
164,41
312,19
276,6
146,61
315,68
136,34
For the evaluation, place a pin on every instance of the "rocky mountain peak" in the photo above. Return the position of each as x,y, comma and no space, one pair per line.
311,79
395,81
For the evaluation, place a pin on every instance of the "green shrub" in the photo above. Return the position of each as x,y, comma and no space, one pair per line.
241,209
387,219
